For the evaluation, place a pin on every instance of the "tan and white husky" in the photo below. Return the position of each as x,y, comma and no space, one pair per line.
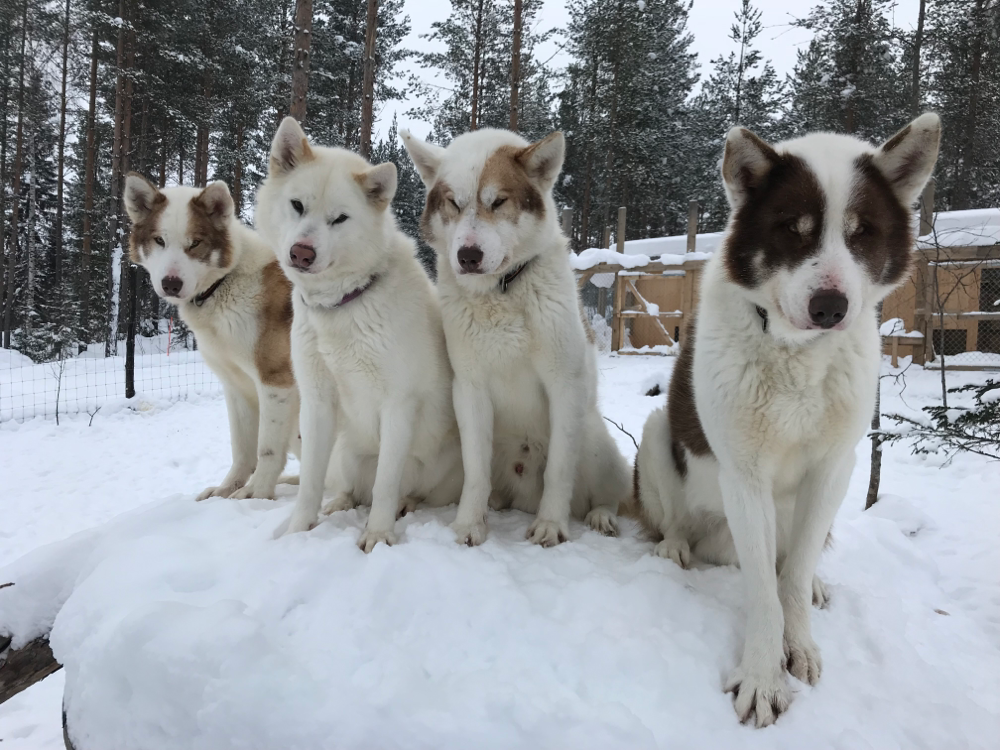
230,291
367,344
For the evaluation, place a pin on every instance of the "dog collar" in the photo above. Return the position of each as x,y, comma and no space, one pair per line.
202,298
506,280
763,317
357,292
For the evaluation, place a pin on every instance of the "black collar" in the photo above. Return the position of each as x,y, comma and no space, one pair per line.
202,298
506,280
763,317
357,292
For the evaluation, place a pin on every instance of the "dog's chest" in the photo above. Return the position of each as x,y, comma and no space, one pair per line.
491,331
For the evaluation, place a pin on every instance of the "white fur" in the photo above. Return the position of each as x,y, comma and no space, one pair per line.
783,411
525,376
374,373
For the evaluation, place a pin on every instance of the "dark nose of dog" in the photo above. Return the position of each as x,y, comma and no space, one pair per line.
172,286
469,258
827,308
302,255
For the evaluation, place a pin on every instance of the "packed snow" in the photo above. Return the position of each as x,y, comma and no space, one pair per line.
973,228
184,624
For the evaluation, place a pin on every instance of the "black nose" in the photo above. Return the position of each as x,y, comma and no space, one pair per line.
827,308
469,257
172,286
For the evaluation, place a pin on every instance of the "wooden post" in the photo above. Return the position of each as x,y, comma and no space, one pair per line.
692,225
567,222
895,351
620,231
927,209
606,242
616,314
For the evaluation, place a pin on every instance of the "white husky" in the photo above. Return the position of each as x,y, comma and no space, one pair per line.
525,374
230,291
776,382
367,344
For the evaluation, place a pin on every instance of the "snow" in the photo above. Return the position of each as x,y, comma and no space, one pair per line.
897,327
186,624
973,228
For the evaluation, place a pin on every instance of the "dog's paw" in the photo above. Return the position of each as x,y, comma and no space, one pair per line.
253,489
300,522
675,549
547,533
602,520
763,696
288,479
342,501
821,597
802,659
371,537
407,505
223,490
470,534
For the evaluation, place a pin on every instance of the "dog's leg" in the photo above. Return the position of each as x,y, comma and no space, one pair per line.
759,682
396,436
819,497
277,417
551,525
474,412
243,443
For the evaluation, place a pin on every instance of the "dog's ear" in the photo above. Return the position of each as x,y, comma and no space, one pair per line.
141,197
378,184
908,158
543,160
216,202
745,163
426,156
289,149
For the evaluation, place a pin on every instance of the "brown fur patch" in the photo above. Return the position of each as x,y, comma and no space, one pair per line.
437,203
143,232
505,171
885,240
210,234
273,355
762,237
685,426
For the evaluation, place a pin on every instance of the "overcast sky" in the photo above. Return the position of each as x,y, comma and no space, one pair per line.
709,21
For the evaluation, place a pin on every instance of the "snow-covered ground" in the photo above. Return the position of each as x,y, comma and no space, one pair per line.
187,625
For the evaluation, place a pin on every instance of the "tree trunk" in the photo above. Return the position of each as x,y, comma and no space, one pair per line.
180,157
58,228
204,133
8,314
88,199
963,192
238,172
163,160
300,64
477,54
918,41
515,67
114,202
875,476
368,82
23,667
4,101
30,232
585,211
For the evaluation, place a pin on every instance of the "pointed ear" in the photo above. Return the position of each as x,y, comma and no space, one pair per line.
289,149
543,160
378,184
745,163
216,202
908,158
426,156
141,197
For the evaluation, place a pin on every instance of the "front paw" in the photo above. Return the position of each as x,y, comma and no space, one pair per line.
763,695
547,533
802,658
603,521
300,522
223,490
470,534
675,549
371,537
821,597
254,489
343,501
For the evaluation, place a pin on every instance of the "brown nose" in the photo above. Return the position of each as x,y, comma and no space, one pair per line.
827,308
302,255
172,286
469,258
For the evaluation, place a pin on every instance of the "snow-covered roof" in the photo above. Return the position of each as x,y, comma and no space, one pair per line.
977,227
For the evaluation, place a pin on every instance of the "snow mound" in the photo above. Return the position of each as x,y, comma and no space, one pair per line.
9,359
902,512
188,625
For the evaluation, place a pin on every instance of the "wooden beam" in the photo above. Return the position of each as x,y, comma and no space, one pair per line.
21,668
692,226
616,314
620,231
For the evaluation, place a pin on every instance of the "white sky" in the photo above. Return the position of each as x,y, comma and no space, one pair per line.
709,21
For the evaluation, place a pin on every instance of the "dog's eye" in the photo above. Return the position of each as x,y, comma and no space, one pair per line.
194,244
159,241
862,228
297,205
792,225
339,220
457,207
498,202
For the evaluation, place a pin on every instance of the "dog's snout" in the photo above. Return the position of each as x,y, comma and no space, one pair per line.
827,308
469,258
172,286
302,255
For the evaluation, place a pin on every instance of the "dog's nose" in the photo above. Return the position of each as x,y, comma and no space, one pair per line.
469,258
172,286
827,308
302,255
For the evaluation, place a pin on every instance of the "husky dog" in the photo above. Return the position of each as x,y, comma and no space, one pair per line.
525,375
231,292
776,382
367,344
